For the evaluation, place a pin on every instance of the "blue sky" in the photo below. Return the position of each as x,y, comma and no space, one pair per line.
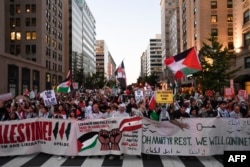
126,26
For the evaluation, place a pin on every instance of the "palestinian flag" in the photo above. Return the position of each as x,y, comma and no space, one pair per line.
66,85
87,141
184,63
121,76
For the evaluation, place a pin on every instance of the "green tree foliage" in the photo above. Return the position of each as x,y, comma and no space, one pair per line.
95,81
152,79
217,66
78,76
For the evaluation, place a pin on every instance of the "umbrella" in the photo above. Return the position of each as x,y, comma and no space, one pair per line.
21,98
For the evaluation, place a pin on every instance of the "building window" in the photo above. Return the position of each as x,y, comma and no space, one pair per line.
229,3
18,49
247,62
15,36
214,32
12,49
247,39
213,4
229,17
27,51
230,45
33,35
28,35
33,22
48,77
28,9
230,32
214,19
33,8
33,49
18,8
12,9
246,16
27,22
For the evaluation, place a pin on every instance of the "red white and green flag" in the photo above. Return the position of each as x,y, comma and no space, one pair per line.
65,86
184,63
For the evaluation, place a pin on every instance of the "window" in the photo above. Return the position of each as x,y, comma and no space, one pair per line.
247,39
18,49
18,8
27,9
18,22
214,19
229,3
247,62
12,49
230,45
28,36
246,16
33,22
213,4
33,8
15,35
33,49
48,76
12,9
27,22
230,31
27,50
229,17
214,32
33,35
12,23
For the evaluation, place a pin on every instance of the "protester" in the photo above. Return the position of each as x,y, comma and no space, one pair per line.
96,113
131,105
44,112
222,110
236,112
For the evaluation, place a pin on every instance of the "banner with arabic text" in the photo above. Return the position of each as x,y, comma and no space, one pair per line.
109,136
205,136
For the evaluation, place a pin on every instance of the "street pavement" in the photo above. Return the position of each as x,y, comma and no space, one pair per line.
47,160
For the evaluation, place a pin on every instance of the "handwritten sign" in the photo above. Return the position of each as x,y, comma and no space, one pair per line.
164,96
139,95
49,97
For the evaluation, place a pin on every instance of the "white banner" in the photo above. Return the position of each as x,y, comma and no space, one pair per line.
110,136
206,136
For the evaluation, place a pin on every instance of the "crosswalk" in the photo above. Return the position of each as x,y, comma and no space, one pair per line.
47,160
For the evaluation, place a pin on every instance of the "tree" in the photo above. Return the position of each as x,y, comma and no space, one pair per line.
78,76
152,79
217,66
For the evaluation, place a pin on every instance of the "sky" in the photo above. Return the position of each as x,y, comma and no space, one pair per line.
126,27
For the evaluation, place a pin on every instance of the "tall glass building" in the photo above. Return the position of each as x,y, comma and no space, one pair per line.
81,38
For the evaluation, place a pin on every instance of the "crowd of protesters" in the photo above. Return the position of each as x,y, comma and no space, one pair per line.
93,104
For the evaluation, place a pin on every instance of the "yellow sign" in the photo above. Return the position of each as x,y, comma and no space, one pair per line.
164,96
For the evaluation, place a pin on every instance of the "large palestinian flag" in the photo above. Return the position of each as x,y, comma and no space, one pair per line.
184,63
